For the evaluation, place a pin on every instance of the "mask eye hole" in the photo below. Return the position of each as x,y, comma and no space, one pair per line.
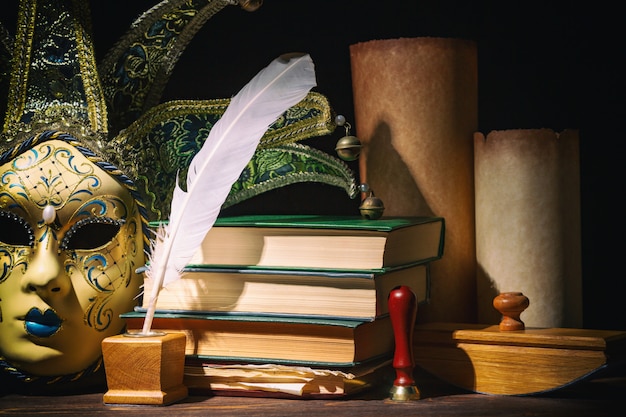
91,233
15,231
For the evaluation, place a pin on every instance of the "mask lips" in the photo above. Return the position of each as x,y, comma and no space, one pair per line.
42,324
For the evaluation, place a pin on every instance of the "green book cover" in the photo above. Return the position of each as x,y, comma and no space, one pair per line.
285,338
304,272
139,313
257,290
321,242
384,224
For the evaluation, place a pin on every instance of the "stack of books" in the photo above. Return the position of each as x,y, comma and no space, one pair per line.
294,305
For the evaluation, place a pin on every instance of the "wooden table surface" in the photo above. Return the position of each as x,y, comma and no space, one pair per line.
596,398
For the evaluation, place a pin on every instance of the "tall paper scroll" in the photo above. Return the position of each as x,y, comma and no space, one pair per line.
415,102
528,223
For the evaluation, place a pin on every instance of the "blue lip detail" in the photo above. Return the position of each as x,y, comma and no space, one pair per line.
42,324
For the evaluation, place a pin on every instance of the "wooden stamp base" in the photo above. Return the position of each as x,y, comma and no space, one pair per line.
146,370
485,359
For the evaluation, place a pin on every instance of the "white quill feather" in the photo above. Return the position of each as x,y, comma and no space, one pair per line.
229,147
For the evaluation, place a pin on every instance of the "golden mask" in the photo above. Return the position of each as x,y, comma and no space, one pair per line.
70,242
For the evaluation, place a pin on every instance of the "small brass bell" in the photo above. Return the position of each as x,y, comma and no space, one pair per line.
371,207
250,5
348,148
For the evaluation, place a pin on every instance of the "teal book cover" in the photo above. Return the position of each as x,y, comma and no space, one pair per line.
275,338
254,290
321,241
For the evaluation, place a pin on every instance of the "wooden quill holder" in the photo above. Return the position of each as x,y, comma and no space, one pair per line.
144,369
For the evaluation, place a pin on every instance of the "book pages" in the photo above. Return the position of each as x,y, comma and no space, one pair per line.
415,102
528,232
288,379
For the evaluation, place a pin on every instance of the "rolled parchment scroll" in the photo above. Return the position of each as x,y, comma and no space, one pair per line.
415,102
528,225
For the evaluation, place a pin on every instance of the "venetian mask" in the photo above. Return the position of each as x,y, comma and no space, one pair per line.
88,156
70,242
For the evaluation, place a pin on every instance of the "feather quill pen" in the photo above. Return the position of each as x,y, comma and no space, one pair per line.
230,145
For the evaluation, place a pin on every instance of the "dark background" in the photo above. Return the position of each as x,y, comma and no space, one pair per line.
540,65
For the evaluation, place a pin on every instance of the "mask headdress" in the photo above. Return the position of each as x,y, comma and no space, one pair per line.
53,79
156,141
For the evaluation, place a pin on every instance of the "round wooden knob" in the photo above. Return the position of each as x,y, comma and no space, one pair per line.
511,305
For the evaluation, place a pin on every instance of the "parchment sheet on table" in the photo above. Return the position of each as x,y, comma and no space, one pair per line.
415,102
528,231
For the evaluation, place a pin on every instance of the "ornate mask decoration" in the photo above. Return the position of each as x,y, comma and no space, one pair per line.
71,241
88,157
